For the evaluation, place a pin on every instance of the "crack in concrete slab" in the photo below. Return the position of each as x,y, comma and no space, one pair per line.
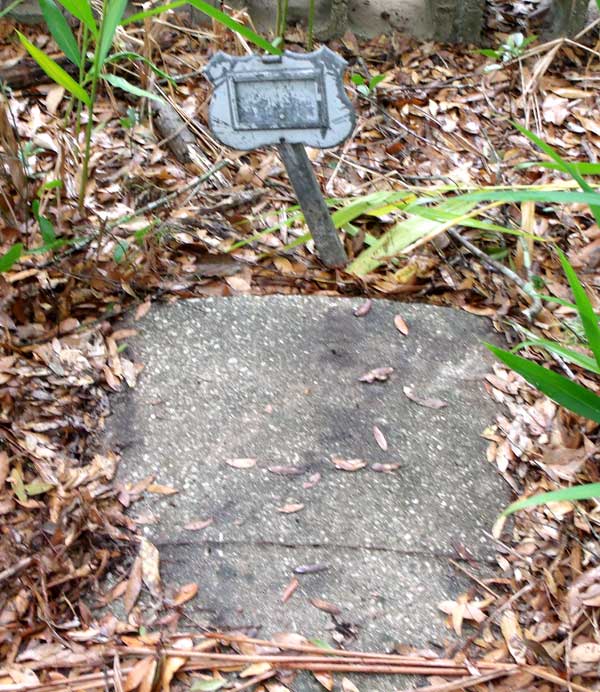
166,543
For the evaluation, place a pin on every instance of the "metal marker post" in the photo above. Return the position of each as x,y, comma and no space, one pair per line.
301,175
290,101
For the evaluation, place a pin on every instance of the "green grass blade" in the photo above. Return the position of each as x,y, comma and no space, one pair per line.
560,389
11,257
586,491
565,166
61,31
549,196
584,307
111,20
582,167
55,71
121,83
136,57
214,13
81,9
405,233
568,354
437,215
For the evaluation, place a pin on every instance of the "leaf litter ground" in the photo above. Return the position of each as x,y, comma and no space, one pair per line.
157,228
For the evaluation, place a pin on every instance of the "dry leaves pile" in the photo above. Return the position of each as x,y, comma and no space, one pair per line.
152,229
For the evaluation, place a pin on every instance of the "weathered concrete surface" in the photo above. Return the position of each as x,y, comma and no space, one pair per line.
277,379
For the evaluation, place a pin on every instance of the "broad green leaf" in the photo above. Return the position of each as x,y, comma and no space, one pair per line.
575,357
11,257
586,491
55,71
357,79
208,685
121,83
377,79
136,57
584,308
81,9
49,185
46,227
405,233
488,52
113,15
559,388
566,166
214,13
61,31
47,230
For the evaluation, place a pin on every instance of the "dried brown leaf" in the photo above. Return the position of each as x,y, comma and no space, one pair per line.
198,525
400,324
377,374
380,438
325,606
350,465
423,401
242,463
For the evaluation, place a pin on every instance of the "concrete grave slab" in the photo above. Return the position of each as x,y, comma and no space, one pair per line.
276,379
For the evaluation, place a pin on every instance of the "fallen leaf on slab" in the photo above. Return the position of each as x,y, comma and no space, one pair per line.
198,525
401,325
350,465
185,593
290,508
142,310
325,606
313,479
246,463
349,686
380,438
376,375
289,590
161,489
255,669
287,470
426,402
289,640
325,679
385,468
363,308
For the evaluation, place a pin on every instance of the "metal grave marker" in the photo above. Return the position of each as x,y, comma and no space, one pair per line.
290,101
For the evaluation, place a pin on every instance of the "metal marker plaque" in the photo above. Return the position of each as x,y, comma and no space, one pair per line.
287,100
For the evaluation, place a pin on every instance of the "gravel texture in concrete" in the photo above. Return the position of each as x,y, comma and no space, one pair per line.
276,380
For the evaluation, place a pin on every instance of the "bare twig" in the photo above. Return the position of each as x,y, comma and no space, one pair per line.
525,286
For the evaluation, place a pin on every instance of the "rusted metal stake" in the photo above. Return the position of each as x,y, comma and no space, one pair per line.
301,175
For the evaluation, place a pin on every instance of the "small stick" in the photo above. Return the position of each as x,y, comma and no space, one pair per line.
536,303
462,683
14,569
